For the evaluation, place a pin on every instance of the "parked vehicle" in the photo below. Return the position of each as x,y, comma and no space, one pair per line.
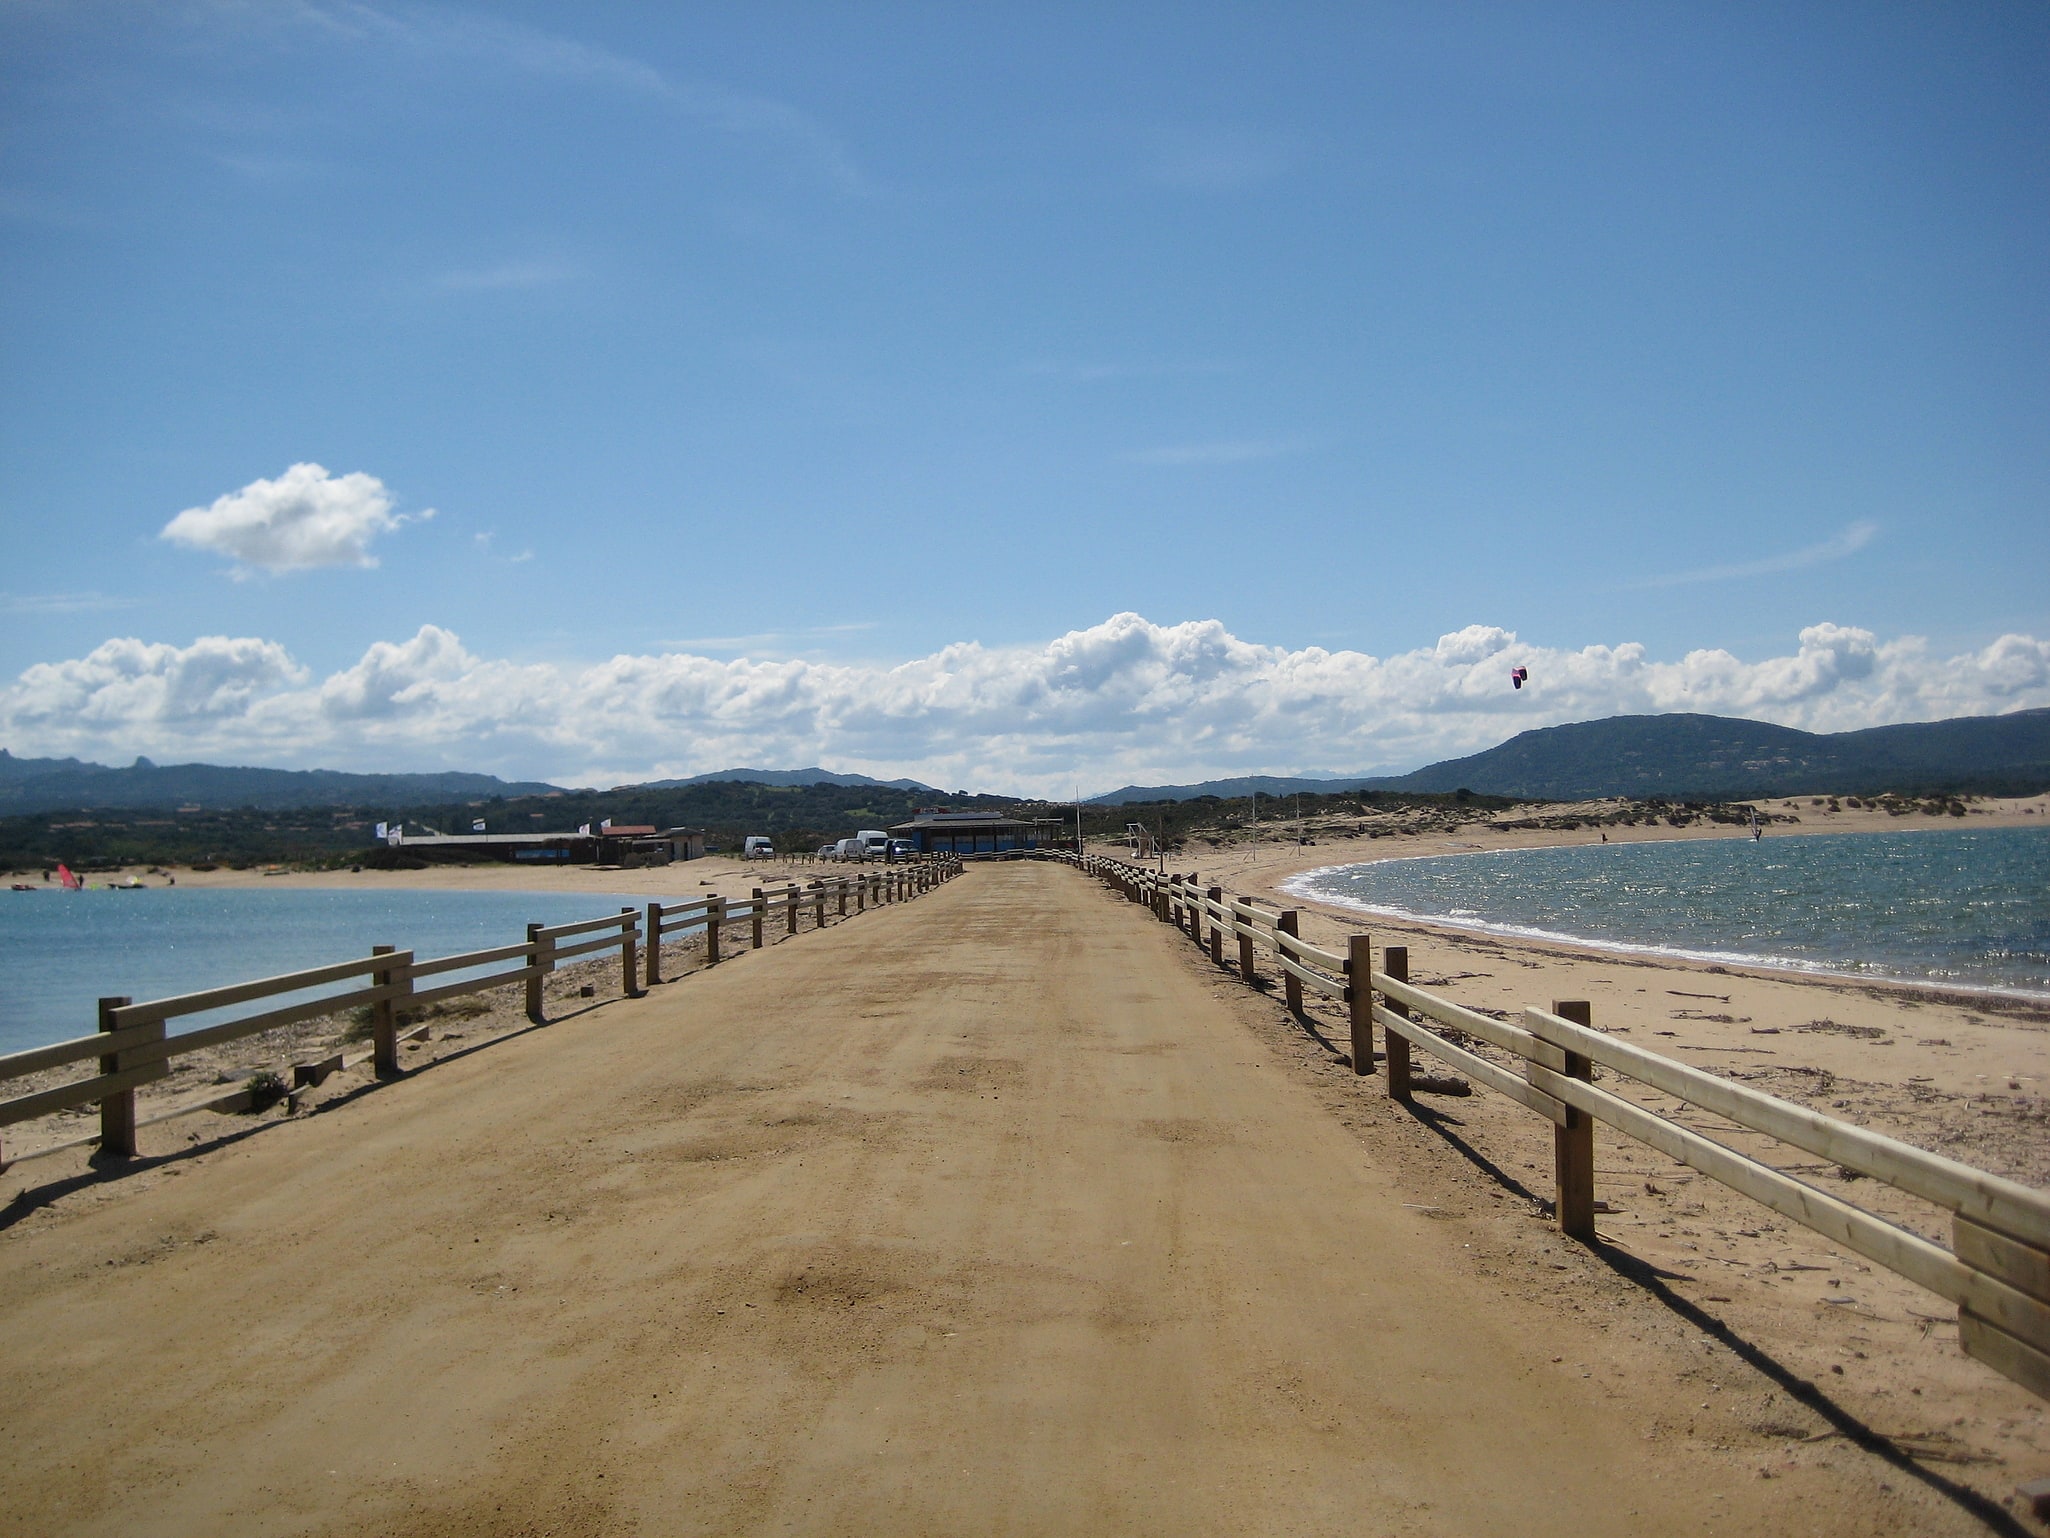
758,846
829,851
875,843
902,849
849,849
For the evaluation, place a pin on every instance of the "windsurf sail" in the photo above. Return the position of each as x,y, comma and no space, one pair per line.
65,879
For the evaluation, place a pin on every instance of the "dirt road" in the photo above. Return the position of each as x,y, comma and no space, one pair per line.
988,1213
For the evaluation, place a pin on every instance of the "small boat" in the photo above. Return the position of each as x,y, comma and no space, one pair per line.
21,886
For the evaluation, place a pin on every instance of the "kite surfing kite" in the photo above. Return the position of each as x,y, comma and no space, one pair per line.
1519,676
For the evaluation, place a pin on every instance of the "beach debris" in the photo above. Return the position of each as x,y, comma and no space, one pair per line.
1439,1084
1831,1027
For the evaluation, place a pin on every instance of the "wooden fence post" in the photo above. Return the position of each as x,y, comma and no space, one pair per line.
860,893
117,1111
818,905
755,913
654,944
1216,894
1573,1144
840,886
1286,922
715,916
790,896
537,959
1395,962
629,962
384,1024
1247,972
1359,1000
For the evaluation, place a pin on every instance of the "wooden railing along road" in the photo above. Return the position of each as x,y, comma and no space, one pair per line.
134,1045
1997,1270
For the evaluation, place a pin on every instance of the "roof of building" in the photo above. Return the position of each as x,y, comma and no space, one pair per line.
970,820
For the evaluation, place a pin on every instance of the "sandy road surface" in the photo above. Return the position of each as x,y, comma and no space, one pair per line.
988,1213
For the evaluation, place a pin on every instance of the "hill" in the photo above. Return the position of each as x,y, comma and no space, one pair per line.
1715,757
1701,757
1231,789
67,784
797,817
784,777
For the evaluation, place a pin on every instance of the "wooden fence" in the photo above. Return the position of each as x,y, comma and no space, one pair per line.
134,1046
1997,1270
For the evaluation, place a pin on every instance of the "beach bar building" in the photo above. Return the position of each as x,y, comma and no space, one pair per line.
962,833
607,844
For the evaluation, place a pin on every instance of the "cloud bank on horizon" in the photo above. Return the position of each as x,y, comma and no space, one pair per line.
1124,701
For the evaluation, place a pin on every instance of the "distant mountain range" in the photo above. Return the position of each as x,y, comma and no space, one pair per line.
1680,757
67,784
1243,785
29,785
785,777
1697,757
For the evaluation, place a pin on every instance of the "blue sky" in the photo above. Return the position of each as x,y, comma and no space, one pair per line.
820,382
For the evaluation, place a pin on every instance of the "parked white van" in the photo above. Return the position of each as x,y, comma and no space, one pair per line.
757,847
875,843
848,849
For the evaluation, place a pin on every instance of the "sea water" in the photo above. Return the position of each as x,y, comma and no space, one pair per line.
1966,907
61,952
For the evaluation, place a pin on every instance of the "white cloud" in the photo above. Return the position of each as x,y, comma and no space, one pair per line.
1125,700
1847,541
516,46
1230,451
62,603
214,691
303,519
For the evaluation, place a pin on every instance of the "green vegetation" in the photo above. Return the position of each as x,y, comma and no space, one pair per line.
266,1089
798,817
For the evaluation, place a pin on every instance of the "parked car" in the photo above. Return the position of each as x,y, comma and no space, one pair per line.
902,849
829,851
757,846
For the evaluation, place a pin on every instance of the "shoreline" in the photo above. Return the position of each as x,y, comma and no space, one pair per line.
1299,887
1269,870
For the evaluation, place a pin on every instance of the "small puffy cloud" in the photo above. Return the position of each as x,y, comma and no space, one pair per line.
1124,700
303,519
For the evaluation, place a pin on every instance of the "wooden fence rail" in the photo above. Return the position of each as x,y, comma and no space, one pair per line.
1997,1270
133,1046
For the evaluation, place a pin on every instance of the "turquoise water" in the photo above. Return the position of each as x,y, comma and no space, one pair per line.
1957,907
60,952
